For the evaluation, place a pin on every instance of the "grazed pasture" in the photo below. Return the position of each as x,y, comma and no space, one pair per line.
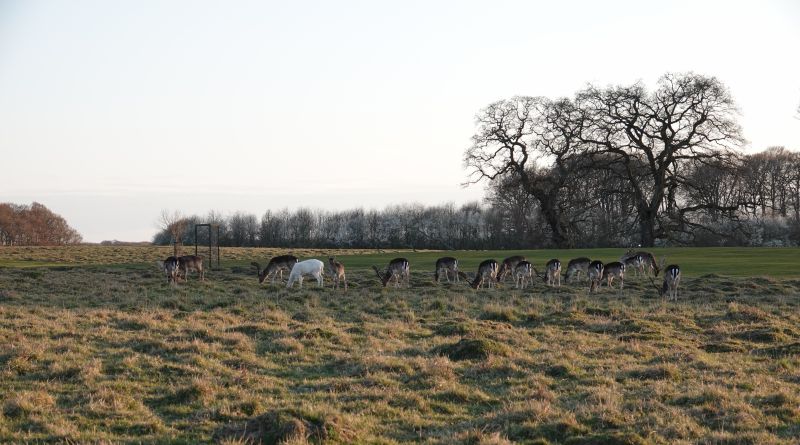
106,351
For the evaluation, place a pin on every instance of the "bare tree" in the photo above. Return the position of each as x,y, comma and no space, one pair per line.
512,135
175,224
688,119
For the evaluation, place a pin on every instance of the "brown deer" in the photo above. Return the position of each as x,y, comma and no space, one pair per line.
576,267
170,268
487,272
595,272
275,267
632,262
337,272
523,274
193,263
446,265
614,270
647,263
398,269
553,272
672,277
508,266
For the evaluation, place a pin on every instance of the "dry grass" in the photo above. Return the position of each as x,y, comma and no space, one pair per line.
15,256
105,354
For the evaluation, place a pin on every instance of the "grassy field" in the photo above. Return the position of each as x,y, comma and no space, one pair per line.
740,262
96,347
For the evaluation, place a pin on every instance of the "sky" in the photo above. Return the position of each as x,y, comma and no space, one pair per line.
111,112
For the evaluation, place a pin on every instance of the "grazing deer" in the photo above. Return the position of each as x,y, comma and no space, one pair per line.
508,266
523,274
647,263
170,268
595,273
576,267
632,262
614,270
193,263
311,267
275,266
552,272
672,277
487,272
398,269
337,272
446,265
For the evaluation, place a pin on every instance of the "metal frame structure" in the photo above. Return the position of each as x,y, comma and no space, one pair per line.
210,241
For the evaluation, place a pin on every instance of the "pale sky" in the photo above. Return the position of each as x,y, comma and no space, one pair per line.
111,111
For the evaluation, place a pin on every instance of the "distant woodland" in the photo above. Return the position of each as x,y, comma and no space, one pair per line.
762,189
615,166
34,225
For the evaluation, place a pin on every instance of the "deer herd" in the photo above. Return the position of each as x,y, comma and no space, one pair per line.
489,273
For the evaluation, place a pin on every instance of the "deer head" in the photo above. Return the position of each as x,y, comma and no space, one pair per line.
261,275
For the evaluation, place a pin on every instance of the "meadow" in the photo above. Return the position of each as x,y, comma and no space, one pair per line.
96,347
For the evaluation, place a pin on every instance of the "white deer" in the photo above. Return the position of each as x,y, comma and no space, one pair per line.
311,267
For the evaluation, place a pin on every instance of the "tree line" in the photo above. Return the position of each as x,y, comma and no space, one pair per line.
34,225
615,166
663,165
594,206
750,200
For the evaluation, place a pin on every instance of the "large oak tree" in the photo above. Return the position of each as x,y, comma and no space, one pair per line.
649,139
688,119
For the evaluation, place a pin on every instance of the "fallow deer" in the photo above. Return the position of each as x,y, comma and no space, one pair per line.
275,266
553,272
170,268
337,272
647,263
576,267
614,270
508,266
595,273
487,272
446,265
632,262
188,263
398,269
311,267
523,274
672,277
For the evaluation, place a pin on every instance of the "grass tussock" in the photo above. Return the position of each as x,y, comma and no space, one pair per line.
25,403
110,353
472,349
292,426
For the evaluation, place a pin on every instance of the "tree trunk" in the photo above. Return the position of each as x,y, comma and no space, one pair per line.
647,227
560,236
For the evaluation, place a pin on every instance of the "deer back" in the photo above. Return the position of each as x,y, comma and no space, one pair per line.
191,261
509,264
280,262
